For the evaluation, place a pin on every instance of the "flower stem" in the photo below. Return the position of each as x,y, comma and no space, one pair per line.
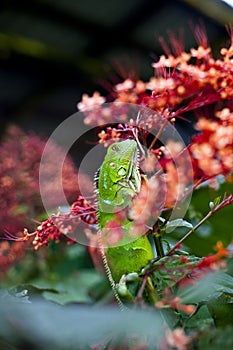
226,201
158,134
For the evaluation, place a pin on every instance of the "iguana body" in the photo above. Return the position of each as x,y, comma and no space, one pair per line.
118,182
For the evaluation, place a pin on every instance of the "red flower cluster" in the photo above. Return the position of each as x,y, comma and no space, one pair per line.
53,229
188,82
20,199
192,78
59,225
212,150
211,262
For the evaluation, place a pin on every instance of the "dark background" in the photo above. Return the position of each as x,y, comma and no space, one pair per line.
51,52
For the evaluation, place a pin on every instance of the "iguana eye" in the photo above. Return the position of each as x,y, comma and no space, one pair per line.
115,148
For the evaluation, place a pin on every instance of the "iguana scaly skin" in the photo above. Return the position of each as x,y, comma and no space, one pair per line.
118,181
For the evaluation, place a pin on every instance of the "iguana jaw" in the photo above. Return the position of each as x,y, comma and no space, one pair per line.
132,176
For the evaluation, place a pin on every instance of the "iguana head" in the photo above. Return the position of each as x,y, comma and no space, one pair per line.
119,172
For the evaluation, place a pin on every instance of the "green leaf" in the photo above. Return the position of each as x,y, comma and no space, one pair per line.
74,288
171,225
221,308
215,339
169,270
205,289
44,325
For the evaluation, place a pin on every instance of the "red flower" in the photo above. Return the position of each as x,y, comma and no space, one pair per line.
20,199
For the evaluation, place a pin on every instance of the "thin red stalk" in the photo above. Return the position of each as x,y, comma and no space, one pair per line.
158,134
141,290
225,202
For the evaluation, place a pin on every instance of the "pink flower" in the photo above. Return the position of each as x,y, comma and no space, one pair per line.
93,102
177,339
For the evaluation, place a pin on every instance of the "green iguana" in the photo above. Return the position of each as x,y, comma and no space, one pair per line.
118,181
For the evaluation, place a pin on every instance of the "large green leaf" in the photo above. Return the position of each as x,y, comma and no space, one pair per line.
73,288
205,289
47,326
